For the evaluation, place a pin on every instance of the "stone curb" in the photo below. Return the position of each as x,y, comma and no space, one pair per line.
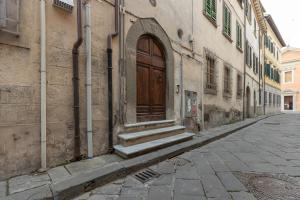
81,183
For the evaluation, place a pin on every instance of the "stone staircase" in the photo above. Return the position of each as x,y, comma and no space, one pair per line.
144,137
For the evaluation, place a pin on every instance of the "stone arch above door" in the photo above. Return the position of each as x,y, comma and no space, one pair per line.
148,26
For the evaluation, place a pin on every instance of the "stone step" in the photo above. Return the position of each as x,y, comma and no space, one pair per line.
135,150
128,139
147,125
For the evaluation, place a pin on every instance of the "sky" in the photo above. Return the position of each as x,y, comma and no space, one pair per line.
286,14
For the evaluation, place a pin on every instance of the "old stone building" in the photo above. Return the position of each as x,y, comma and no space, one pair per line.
255,28
273,45
84,78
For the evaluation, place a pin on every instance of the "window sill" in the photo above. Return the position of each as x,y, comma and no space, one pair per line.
227,37
214,23
240,49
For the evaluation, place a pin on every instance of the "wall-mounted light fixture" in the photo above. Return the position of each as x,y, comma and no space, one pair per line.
177,89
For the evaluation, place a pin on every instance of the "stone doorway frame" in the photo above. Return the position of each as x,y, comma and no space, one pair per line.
147,26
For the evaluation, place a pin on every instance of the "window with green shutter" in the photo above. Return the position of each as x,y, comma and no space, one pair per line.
226,21
210,9
239,37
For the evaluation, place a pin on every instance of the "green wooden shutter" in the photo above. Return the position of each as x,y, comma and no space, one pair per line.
229,22
213,10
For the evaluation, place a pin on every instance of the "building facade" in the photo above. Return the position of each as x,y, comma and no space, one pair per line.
84,78
255,27
273,45
290,82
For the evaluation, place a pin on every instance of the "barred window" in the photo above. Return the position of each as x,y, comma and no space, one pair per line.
211,85
227,80
239,86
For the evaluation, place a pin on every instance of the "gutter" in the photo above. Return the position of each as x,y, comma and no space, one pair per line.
43,87
245,54
75,57
109,76
88,45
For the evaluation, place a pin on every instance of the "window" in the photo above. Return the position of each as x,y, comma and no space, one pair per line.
239,37
248,12
211,86
288,77
226,21
249,55
9,16
227,81
253,62
274,100
254,32
270,99
266,98
239,86
210,10
267,70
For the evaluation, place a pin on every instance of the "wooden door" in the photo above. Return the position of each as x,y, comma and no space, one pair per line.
151,80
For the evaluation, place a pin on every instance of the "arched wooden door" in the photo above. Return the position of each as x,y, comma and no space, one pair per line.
151,80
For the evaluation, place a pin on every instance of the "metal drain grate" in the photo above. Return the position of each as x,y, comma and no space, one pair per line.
146,175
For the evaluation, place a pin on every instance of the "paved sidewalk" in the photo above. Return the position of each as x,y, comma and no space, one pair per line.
75,178
259,162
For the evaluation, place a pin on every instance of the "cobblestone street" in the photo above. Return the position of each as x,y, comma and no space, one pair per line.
267,153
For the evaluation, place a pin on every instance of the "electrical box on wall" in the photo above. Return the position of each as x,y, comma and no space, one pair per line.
66,5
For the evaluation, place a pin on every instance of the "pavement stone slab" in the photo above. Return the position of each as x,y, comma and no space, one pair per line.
26,182
230,182
214,188
38,193
242,196
58,174
188,187
3,189
160,192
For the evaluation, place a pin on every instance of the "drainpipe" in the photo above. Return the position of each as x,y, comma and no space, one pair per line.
75,55
245,57
109,76
182,89
202,98
43,86
88,45
263,74
259,63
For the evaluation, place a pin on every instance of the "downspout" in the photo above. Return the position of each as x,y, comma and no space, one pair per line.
75,55
202,98
245,57
259,68
43,86
181,90
88,45
109,76
263,74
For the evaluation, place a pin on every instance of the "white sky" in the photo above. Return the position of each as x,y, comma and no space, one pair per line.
286,14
